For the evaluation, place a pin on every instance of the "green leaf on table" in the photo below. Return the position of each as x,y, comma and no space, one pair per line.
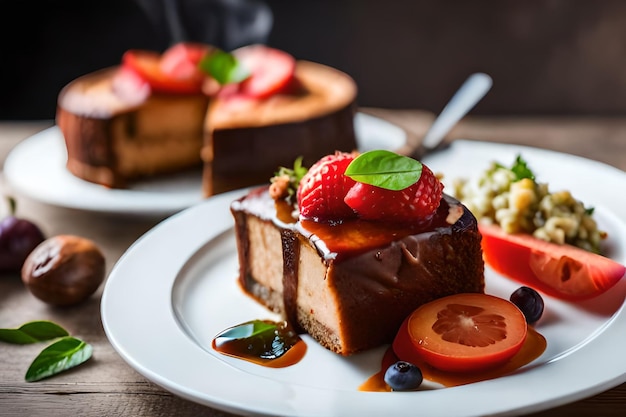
385,169
33,332
60,356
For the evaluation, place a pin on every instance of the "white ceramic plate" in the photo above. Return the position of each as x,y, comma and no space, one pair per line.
36,168
175,289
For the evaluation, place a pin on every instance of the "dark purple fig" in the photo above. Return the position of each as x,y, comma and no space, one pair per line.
18,237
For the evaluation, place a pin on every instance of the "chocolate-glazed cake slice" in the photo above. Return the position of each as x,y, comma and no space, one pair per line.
350,285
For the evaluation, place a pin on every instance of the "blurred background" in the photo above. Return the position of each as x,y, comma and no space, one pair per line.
553,57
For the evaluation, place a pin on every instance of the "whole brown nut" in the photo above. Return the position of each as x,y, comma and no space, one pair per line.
64,270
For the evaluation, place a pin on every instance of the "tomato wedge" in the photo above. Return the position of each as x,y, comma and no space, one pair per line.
562,271
272,70
176,71
462,333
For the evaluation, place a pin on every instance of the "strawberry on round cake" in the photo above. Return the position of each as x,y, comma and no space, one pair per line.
236,115
347,249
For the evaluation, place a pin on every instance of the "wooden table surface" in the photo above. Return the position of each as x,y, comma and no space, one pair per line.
107,386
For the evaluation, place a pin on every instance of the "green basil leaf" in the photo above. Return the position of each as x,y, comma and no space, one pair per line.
224,67
385,169
250,329
60,356
33,332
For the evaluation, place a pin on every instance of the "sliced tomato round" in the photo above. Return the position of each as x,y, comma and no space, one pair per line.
562,271
271,70
147,65
462,333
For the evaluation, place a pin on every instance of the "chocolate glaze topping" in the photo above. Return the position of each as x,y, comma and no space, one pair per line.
291,254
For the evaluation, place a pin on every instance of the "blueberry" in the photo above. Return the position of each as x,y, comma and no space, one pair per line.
529,302
403,376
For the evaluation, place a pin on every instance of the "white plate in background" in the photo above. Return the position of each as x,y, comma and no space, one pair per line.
36,168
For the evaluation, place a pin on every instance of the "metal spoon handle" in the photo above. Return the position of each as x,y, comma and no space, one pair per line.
470,93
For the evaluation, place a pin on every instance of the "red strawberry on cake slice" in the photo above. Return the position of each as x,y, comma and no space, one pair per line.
271,70
323,189
380,194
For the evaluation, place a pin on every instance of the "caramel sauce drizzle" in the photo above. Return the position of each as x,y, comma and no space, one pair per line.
533,347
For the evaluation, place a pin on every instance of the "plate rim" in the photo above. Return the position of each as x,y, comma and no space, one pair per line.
131,202
366,401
